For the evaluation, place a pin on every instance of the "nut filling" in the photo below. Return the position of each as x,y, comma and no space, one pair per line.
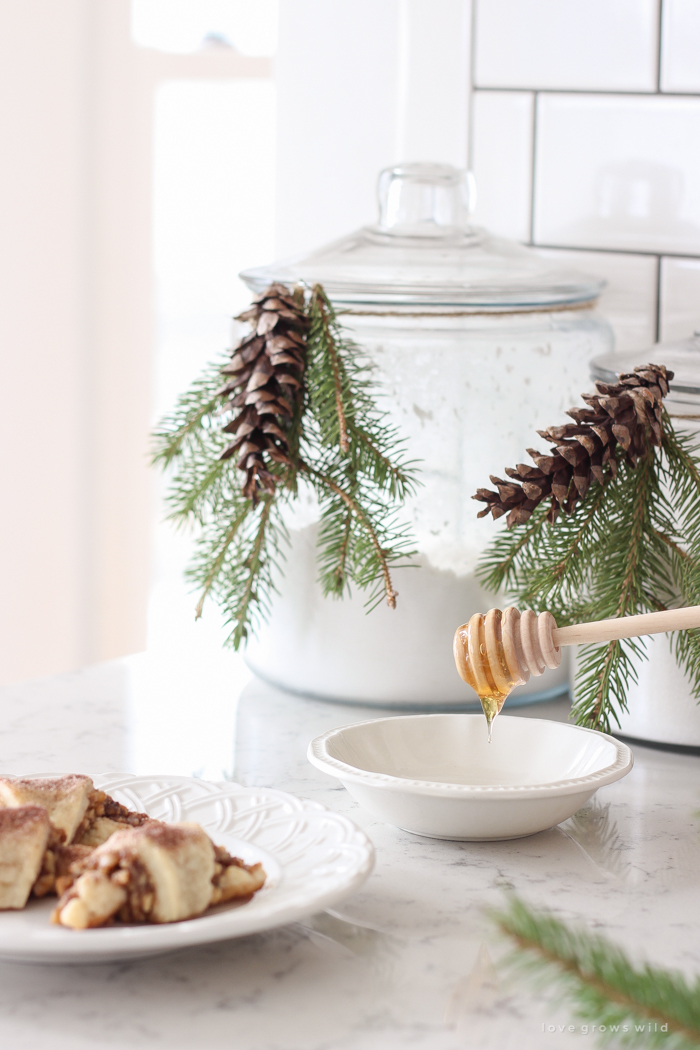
232,878
103,816
126,873
60,866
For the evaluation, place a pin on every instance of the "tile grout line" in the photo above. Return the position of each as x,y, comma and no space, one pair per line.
533,166
472,89
535,93
659,31
617,251
596,92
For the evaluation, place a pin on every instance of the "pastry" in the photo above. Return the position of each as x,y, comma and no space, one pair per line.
155,873
58,868
106,862
92,901
104,816
232,878
24,834
85,815
33,854
160,873
65,799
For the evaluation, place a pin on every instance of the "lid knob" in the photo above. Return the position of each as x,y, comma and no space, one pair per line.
425,200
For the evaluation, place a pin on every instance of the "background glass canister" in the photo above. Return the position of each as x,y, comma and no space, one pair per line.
476,342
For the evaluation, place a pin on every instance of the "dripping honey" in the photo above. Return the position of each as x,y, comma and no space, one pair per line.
489,677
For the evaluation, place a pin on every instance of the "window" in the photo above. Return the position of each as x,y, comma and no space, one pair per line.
213,215
184,26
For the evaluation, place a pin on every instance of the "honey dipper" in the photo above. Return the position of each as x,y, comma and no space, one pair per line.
500,650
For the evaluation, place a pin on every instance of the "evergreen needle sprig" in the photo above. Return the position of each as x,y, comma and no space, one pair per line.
297,404
630,544
356,461
639,1006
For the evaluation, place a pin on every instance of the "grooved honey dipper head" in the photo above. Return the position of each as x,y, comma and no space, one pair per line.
498,651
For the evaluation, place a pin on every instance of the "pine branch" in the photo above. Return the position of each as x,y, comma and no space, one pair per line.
356,462
195,486
254,564
235,560
629,545
379,450
188,444
193,414
674,546
623,418
327,377
320,318
548,568
218,561
682,477
383,556
499,564
606,669
295,398
601,983
333,563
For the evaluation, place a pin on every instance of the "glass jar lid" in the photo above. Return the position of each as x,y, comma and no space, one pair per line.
423,252
681,358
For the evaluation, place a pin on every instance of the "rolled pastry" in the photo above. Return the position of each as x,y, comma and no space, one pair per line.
104,816
92,900
85,815
155,873
232,878
58,868
24,834
65,799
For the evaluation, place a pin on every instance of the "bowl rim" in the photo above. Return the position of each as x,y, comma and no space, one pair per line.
317,754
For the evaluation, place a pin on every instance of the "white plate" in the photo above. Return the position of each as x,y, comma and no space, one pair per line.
438,776
312,856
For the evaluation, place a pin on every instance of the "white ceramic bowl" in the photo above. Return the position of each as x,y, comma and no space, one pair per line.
437,775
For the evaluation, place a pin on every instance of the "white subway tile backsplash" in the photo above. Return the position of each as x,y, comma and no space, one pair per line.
680,46
502,161
629,299
616,164
618,172
608,45
680,298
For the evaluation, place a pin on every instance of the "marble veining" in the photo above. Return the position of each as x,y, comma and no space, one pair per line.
411,960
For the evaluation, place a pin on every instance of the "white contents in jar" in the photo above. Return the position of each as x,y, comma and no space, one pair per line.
468,393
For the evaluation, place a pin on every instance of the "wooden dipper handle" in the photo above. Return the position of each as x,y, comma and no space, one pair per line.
628,626
521,644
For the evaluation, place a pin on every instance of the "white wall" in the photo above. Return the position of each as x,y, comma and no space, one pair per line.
361,85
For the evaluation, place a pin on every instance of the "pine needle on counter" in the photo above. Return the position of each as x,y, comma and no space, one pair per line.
641,1006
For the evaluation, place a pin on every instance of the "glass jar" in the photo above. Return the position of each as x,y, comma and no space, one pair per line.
661,706
476,343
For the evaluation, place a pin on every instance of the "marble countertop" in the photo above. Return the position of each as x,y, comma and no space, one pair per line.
409,961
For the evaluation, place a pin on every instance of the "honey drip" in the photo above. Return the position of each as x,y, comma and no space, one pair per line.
492,680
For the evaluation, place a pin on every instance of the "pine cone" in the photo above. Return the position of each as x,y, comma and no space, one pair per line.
266,383
627,413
